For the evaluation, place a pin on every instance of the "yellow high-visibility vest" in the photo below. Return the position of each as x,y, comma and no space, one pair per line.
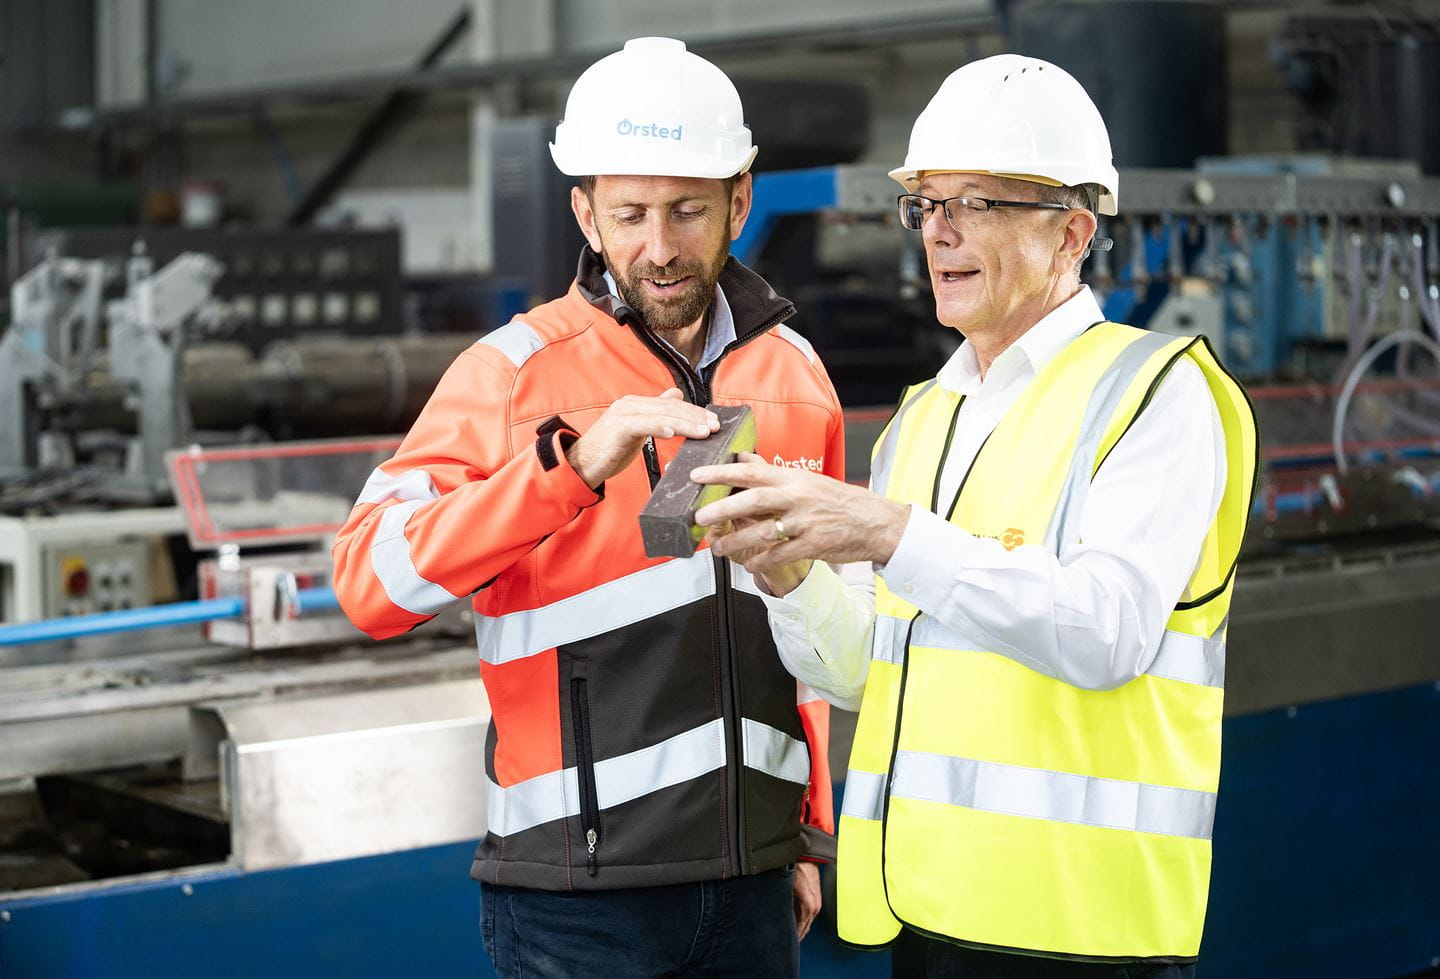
995,805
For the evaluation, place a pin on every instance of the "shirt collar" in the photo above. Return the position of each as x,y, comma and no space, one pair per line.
719,336
1037,346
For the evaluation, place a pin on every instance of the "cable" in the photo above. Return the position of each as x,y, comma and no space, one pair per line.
1342,406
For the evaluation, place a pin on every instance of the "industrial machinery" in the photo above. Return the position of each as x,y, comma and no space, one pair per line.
157,753
167,769
113,359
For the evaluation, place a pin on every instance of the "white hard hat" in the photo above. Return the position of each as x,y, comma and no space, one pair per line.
1013,116
653,109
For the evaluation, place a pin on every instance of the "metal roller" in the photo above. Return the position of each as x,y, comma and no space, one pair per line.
296,389
347,386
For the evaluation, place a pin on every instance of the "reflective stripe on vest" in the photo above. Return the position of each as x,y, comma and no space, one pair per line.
1034,793
987,799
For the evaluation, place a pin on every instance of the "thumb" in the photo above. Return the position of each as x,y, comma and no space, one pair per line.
674,394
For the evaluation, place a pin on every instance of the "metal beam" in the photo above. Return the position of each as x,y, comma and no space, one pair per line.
398,104
471,76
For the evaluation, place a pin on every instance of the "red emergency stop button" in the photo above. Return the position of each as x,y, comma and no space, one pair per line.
77,582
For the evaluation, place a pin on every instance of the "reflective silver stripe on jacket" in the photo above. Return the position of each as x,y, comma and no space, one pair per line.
1058,796
796,340
1103,401
774,752
412,484
517,340
742,580
605,608
864,795
395,567
556,795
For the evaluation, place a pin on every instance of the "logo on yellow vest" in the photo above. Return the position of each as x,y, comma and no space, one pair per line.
1013,538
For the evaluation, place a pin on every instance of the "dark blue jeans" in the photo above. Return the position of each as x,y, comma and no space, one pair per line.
739,927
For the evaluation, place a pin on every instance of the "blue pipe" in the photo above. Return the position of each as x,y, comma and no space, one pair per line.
309,600
156,616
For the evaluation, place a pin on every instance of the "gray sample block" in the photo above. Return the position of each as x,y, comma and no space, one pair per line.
667,523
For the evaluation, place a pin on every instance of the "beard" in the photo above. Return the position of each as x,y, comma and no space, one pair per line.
675,312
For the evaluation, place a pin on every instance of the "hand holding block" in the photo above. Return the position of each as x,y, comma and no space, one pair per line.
667,524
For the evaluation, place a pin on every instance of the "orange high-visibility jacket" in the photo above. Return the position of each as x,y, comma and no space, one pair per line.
644,730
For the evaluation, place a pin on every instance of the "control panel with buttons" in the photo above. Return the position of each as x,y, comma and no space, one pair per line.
82,579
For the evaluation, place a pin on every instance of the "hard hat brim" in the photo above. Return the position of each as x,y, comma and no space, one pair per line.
909,178
592,167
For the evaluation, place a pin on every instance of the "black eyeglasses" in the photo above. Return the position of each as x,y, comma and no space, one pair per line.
914,209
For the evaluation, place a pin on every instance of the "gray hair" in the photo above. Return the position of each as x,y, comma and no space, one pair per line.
1079,196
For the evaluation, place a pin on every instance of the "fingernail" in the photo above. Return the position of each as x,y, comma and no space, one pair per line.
666,433
712,419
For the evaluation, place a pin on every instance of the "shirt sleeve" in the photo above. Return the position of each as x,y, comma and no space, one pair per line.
1093,616
822,630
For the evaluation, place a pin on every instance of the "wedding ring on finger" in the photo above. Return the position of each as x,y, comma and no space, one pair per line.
780,534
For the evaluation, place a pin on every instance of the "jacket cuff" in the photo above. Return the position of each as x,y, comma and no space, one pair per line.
553,438
819,845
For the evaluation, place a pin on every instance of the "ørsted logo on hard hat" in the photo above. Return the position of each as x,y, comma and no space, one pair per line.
652,129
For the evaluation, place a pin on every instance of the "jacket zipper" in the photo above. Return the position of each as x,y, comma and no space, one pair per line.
652,462
585,770
724,636
697,391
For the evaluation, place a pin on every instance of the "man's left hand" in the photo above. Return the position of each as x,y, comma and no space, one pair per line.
780,516
807,897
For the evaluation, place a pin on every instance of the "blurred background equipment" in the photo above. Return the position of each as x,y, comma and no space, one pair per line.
241,242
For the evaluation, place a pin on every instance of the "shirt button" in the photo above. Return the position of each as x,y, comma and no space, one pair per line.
909,589
794,617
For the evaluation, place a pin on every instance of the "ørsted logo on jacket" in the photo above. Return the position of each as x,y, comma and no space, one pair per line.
652,129
1013,538
814,465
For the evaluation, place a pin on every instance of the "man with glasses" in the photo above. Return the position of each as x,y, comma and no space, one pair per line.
657,785
1035,638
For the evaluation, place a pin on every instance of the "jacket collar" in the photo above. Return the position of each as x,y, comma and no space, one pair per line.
754,305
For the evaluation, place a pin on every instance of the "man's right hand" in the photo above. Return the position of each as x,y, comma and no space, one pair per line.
612,442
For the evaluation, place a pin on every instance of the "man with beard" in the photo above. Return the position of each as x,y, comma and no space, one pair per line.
658,789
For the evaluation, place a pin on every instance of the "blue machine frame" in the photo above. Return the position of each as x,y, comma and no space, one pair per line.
1327,863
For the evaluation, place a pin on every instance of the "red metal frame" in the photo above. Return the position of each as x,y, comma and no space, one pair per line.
203,533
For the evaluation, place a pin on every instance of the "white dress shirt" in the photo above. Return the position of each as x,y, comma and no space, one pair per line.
1093,615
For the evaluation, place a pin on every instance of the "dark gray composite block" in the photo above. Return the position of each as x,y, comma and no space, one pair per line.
667,523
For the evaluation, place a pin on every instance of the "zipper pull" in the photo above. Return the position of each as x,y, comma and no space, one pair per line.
591,838
652,461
